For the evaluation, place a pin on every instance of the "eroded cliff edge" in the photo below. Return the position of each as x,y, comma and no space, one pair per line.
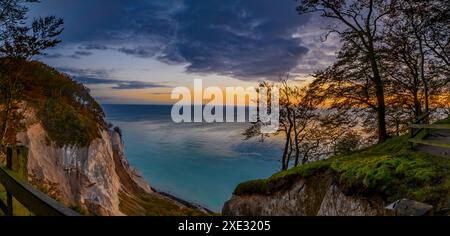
96,179
314,196
74,155
362,183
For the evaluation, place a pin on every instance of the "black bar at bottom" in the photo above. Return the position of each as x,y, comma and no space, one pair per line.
360,226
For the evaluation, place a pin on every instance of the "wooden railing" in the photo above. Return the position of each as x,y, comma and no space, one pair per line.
422,120
422,125
17,188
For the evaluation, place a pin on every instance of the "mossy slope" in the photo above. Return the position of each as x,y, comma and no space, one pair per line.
390,170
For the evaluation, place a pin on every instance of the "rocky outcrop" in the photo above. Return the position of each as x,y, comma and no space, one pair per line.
314,196
93,179
336,203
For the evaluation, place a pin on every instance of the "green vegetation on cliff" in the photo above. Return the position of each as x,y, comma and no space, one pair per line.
69,114
391,170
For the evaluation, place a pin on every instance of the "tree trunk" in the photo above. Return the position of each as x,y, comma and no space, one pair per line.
379,88
286,148
422,75
297,144
417,105
305,157
381,114
381,111
291,149
4,128
13,73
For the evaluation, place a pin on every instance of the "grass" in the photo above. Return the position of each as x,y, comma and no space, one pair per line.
146,204
395,172
390,170
444,121
281,180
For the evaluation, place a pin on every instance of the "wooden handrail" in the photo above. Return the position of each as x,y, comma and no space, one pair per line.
37,202
421,118
418,126
34,200
417,122
429,143
433,126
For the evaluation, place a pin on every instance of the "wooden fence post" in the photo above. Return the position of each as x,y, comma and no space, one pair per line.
412,136
9,155
14,178
20,162
9,197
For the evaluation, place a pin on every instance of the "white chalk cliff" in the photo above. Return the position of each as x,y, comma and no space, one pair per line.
96,179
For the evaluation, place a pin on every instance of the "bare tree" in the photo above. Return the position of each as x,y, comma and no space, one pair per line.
404,65
435,16
360,27
417,37
302,127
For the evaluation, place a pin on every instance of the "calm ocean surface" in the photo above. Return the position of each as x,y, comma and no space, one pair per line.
200,163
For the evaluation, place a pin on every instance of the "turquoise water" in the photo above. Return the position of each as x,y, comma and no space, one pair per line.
200,163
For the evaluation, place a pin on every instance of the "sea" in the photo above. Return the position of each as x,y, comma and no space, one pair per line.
198,162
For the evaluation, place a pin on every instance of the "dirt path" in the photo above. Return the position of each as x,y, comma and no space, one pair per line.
442,136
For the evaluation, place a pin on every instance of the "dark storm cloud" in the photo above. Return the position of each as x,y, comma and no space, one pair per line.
80,54
53,55
94,47
247,39
94,77
138,85
244,39
138,52
76,55
83,53
88,76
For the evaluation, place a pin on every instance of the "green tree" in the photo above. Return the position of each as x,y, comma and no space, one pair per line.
19,39
19,42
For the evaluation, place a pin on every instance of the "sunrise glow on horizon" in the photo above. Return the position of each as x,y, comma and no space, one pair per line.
127,56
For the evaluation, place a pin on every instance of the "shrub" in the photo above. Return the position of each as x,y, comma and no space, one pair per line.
68,113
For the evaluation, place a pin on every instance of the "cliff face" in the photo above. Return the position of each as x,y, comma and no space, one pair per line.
361,183
76,176
72,155
96,179
313,196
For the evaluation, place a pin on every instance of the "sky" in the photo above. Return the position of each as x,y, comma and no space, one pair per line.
137,51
